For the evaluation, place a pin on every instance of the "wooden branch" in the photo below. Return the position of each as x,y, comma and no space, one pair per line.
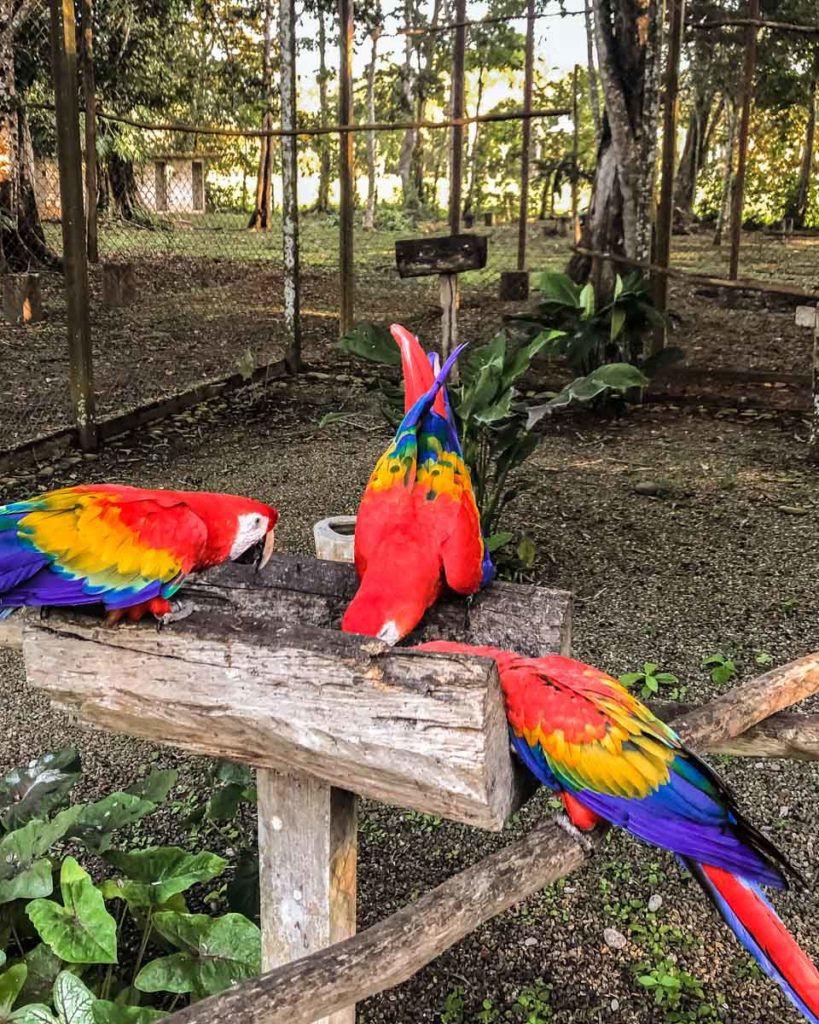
779,26
393,950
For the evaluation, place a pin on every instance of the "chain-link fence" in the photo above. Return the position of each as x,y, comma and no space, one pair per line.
178,104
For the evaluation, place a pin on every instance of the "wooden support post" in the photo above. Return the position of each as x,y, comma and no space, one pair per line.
575,150
290,184
64,57
456,162
308,855
346,168
808,316
450,302
738,198
665,213
22,298
118,284
526,130
89,94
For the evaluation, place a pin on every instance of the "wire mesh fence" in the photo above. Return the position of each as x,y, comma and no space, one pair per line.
184,192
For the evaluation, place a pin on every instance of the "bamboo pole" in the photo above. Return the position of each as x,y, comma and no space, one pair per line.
526,142
665,213
290,183
90,97
456,163
346,168
738,198
64,57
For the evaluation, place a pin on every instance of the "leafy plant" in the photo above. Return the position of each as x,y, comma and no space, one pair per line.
51,938
495,423
680,995
651,679
722,669
590,334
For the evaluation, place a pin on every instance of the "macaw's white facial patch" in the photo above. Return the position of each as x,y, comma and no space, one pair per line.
389,633
252,527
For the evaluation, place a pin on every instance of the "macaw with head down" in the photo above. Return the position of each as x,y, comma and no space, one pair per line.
126,548
609,758
418,526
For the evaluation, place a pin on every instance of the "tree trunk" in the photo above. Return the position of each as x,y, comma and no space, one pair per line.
797,206
122,194
620,220
728,174
22,242
369,215
408,143
594,98
472,159
260,218
323,198
693,154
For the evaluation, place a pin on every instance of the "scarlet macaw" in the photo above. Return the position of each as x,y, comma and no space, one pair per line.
124,547
584,736
418,525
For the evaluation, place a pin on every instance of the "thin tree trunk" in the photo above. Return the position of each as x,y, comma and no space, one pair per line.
369,215
646,132
260,218
728,175
323,198
797,206
594,97
472,159
408,143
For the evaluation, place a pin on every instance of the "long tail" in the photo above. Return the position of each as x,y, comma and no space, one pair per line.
755,923
418,375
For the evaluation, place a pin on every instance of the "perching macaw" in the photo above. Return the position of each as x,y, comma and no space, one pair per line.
124,547
608,757
418,526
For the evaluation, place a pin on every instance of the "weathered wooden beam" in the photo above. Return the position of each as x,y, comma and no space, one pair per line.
451,254
393,950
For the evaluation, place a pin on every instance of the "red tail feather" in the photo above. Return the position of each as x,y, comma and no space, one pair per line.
418,375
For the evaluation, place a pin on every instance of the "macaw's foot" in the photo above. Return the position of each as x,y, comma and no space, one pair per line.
157,606
579,815
178,610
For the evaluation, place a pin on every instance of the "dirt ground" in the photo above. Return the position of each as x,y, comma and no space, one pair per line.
201,315
722,559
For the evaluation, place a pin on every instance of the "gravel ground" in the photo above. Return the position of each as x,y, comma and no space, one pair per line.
723,560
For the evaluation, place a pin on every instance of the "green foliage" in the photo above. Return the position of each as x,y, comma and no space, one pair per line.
531,1005
722,669
650,681
57,937
679,994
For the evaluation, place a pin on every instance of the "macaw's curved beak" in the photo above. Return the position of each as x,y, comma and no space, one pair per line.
265,550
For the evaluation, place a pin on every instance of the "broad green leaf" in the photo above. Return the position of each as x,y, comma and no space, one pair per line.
620,376
34,1013
373,342
160,872
81,931
43,968
2,957
527,552
559,288
98,820
521,360
499,410
618,320
225,801
72,999
587,300
650,667
497,540
38,787
231,771
630,678
215,953
156,786
105,1012
23,875
11,984
618,287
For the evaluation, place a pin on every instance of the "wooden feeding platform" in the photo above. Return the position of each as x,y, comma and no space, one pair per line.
260,673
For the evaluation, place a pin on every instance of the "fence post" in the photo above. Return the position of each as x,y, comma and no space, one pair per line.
526,145
290,184
346,169
64,58
665,213
89,94
456,163
738,198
